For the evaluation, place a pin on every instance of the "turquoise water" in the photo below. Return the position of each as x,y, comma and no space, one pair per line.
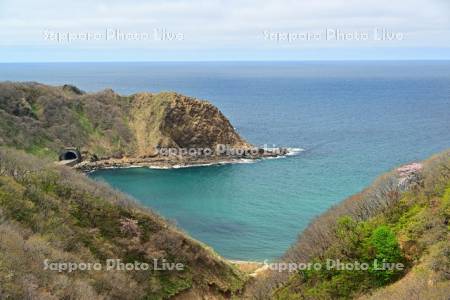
355,120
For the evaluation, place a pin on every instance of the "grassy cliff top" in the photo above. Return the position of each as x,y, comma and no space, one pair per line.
42,120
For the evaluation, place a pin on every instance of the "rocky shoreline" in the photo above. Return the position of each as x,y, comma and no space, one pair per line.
91,131
179,161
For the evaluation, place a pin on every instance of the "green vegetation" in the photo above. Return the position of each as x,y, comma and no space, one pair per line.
49,212
43,120
85,123
365,242
388,222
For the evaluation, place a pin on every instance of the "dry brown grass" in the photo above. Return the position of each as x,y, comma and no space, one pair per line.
51,212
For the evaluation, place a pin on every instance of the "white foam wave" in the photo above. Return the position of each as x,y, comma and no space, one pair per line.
224,162
294,151
290,152
157,167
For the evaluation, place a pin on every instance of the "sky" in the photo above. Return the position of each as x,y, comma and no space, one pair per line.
216,30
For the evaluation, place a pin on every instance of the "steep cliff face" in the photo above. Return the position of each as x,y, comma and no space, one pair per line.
175,121
43,119
192,123
51,212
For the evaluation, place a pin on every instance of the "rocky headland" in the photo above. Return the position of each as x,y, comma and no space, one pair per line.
53,212
109,130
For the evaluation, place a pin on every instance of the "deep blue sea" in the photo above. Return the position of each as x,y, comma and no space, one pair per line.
355,120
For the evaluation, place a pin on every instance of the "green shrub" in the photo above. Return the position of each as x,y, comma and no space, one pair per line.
386,249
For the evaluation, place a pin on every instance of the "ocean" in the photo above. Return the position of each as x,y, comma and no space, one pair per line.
354,120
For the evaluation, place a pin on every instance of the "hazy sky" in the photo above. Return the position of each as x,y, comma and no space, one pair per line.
153,30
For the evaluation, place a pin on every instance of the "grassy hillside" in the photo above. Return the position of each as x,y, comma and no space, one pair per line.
42,120
403,218
50,212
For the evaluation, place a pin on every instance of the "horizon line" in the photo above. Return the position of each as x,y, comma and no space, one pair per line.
224,60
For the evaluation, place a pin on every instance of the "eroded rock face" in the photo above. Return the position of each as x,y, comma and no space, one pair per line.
193,123
170,120
109,125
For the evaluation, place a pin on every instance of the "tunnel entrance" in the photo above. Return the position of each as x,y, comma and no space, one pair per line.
70,154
